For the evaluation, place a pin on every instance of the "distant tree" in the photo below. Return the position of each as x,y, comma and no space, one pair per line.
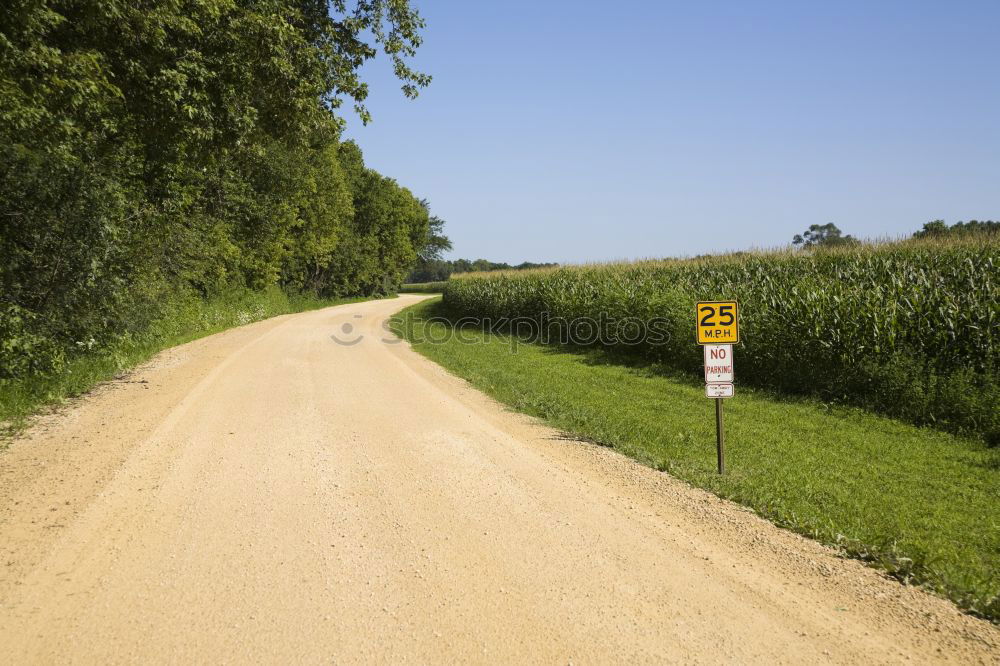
430,246
940,228
439,269
933,228
435,243
823,235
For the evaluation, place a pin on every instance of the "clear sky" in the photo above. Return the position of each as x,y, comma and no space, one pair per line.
576,130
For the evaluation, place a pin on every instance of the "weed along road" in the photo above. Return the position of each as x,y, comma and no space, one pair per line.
309,490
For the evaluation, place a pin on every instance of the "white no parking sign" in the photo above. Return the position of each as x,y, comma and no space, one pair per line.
718,364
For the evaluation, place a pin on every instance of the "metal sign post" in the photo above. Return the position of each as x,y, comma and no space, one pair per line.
720,436
717,328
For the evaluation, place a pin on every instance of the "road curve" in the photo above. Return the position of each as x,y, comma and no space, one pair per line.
271,495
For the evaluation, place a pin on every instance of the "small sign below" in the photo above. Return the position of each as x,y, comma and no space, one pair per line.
719,364
719,391
717,323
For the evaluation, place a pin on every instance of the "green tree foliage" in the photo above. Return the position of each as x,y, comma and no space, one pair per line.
435,243
940,229
152,149
823,235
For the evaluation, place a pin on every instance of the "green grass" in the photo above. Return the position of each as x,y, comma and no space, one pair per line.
188,319
423,287
923,505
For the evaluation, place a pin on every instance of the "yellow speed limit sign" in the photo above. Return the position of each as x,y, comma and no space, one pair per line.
717,322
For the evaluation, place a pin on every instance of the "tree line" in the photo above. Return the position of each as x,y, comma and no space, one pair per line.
829,235
941,229
437,269
150,149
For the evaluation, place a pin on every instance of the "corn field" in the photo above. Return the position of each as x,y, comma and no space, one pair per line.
910,329
423,287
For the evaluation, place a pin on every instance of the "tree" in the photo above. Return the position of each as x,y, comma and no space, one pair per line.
430,267
381,239
825,235
435,243
933,228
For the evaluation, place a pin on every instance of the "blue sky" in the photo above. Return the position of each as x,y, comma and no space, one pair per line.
562,130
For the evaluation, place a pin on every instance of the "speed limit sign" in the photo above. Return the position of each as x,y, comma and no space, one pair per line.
718,329
717,322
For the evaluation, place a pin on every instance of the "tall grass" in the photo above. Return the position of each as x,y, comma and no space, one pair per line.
910,329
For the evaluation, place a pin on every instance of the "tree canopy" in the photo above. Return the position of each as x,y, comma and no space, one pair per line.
151,147
940,229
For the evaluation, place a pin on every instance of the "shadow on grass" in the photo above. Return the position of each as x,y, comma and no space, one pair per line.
833,482
565,436
636,362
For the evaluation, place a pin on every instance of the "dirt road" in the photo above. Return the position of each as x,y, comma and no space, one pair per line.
269,495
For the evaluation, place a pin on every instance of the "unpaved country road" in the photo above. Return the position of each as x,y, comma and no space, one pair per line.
267,495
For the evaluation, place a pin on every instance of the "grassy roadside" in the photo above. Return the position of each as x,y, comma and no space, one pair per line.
921,504
187,320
